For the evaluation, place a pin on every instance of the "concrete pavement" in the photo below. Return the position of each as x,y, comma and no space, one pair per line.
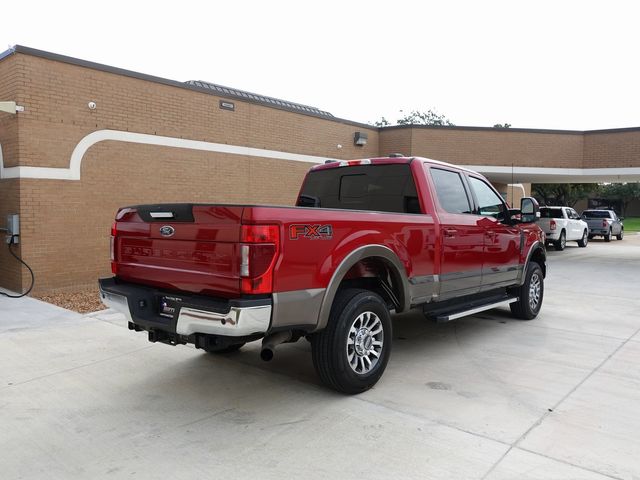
482,397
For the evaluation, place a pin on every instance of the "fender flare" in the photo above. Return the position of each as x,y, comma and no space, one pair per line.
534,248
378,251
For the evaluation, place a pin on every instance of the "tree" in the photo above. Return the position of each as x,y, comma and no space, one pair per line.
416,117
383,122
502,125
562,193
625,193
425,118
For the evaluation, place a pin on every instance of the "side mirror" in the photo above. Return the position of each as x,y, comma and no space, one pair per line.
513,215
530,210
620,218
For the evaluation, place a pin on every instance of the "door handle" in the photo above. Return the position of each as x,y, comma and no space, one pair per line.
450,232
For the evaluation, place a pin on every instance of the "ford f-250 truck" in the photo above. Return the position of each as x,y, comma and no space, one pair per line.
366,239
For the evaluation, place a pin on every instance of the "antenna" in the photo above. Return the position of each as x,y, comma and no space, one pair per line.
513,200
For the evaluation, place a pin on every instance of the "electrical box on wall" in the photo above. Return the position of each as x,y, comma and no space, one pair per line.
13,227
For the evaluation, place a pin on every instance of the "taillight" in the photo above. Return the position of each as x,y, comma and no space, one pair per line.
112,248
552,224
258,253
605,224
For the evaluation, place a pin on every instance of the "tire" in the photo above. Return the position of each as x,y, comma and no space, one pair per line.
234,347
607,237
347,355
584,240
562,241
621,236
530,294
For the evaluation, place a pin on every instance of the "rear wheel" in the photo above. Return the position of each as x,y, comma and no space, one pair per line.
352,352
562,241
621,236
530,294
584,240
607,237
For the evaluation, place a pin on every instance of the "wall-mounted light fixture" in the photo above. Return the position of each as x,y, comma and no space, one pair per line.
11,107
360,139
92,105
227,105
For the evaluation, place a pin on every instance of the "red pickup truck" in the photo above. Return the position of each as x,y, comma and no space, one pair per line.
367,238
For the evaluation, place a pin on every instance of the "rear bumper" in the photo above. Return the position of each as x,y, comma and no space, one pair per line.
194,315
552,235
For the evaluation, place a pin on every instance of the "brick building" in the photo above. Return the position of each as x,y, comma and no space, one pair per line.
93,138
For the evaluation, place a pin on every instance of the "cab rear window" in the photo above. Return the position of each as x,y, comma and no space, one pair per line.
596,214
380,188
551,213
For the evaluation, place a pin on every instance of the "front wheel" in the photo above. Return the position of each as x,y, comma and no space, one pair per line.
352,352
529,294
621,236
584,240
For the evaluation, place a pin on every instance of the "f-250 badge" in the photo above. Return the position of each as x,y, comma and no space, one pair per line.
310,232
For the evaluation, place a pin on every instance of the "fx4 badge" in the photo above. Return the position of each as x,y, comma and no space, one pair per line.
310,232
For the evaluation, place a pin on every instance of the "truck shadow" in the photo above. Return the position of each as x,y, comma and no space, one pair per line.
415,339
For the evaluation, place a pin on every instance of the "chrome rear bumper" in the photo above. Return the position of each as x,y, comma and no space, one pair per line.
236,321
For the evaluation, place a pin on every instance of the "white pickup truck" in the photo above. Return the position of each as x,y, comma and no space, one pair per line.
562,225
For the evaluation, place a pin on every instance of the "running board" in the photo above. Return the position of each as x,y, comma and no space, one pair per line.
472,308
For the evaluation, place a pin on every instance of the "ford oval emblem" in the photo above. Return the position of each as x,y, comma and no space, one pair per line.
167,231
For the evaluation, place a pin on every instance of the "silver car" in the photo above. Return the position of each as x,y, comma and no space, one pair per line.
605,223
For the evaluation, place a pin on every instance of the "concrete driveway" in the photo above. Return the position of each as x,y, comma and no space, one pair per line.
483,397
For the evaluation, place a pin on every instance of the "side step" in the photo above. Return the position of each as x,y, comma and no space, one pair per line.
470,308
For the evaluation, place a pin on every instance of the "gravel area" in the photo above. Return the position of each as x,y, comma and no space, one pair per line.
81,300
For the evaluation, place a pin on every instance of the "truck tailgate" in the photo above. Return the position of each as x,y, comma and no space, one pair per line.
184,247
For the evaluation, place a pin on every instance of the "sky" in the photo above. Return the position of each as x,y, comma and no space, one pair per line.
544,64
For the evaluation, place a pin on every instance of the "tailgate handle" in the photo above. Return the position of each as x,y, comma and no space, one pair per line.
161,214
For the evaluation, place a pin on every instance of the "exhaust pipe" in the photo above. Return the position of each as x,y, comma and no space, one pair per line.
269,344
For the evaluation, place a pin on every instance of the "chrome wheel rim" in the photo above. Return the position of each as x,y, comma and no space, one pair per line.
535,289
365,341
563,241
585,238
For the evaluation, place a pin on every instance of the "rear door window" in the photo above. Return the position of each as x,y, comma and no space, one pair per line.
450,190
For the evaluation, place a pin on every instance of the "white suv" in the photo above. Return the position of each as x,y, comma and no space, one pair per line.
562,225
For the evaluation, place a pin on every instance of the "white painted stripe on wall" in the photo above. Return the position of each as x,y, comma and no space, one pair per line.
75,163
578,172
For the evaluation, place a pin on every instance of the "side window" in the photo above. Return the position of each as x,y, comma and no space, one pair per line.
574,215
489,202
450,190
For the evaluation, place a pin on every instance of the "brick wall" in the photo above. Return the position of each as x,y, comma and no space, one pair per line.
487,146
11,78
65,224
612,149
